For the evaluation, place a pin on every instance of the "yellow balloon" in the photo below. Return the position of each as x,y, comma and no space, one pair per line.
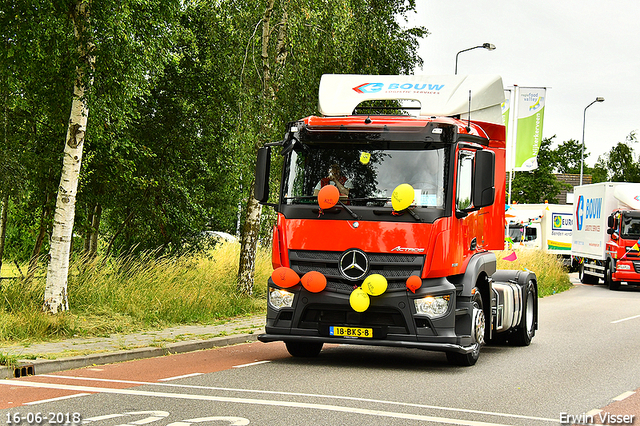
359,300
365,157
375,285
402,196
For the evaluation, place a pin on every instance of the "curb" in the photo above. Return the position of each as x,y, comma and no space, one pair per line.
45,366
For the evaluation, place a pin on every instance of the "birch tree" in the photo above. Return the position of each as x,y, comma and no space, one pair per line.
55,295
120,48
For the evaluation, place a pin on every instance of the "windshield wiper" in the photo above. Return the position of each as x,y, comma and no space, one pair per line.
353,215
315,198
401,212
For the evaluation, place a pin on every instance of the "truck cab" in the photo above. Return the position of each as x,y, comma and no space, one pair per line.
623,249
430,254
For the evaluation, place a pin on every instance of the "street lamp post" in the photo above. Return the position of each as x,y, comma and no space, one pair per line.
584,117
487,46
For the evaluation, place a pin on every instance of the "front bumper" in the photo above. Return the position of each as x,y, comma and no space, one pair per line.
439,347
392,317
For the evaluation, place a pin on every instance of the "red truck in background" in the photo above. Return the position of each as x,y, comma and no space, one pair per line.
606,233
398,254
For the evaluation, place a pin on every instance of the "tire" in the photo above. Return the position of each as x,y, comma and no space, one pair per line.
304,349
478,332
523,334
586,278
613,285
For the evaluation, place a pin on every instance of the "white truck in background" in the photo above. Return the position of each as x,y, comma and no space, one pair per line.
545,227
606,233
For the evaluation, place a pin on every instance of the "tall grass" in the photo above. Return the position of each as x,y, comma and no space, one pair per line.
551,273
128,294
132,294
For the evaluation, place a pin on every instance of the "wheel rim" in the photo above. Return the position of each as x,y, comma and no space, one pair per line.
530,313
479,325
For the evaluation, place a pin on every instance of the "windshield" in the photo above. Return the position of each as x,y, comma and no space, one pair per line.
630,227
366,176
519,233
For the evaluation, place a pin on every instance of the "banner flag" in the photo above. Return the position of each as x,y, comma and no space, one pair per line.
530,116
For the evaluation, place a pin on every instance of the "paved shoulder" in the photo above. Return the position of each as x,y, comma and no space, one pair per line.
81,352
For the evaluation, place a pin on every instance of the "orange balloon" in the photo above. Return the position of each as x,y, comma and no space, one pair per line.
328,196
413,283
285,277
314,281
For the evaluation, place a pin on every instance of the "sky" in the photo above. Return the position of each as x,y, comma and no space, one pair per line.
579,50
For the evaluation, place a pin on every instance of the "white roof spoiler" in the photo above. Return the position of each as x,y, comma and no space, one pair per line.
439,95
628,194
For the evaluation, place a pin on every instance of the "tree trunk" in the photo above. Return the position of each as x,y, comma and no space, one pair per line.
55,295
87,235
95,226
248,247
3,226
37,248
94,215
251,227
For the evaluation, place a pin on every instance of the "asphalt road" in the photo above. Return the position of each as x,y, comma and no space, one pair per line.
584,356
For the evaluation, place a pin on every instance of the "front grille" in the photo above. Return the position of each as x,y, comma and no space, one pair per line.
314,316
396,268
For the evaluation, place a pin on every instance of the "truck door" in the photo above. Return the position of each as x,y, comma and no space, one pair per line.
464,203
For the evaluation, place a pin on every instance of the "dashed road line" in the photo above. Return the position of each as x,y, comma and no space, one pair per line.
623,396
184,376
625,319
250,364
60,398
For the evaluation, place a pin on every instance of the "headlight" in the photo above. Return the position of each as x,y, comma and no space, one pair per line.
279,298
432,306
623,267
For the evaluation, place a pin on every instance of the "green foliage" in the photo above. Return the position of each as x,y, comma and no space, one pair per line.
179,101
620,164
567,157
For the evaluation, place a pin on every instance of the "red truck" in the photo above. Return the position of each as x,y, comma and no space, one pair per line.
606,233
394,249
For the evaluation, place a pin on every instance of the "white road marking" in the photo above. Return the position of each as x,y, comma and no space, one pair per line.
625,319
56,399
179,377
311,395
250,364
233,421
623,396
155,416
290,404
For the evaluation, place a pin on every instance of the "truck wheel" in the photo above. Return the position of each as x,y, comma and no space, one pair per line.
613,285
478,330
304,349
523,334
586,278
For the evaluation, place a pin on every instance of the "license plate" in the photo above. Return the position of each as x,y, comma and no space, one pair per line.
351,332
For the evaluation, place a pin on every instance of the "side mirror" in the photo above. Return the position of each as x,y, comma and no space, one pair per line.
610,221
484,190
263,167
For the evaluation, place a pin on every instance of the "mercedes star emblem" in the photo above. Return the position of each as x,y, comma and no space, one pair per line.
354,264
